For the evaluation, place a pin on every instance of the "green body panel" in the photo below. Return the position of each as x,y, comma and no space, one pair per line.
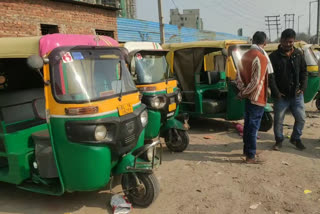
19,154
154,123
312,89
235,107
82,167
155,92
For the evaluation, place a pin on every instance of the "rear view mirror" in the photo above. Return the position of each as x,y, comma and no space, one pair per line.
39,108
224,52
35,62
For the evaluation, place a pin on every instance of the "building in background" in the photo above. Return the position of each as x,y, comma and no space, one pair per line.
34,18
148,31
128,9
189,18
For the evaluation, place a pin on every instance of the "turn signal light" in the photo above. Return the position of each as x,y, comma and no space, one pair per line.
82,110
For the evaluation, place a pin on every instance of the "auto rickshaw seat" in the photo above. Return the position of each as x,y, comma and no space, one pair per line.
211,106
16,106
213,77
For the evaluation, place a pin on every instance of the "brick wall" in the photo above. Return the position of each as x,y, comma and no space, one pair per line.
23,18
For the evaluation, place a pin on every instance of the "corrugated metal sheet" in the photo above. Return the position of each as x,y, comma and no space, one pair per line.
140,30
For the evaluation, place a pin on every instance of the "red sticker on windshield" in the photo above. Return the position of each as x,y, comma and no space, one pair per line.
67,57
139,56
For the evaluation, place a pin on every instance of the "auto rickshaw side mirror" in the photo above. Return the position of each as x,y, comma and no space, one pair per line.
39,108
35,62
224,52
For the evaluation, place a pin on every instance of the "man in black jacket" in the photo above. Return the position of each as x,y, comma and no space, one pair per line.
287,84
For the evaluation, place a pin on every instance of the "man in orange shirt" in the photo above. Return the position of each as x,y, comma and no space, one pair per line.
252,81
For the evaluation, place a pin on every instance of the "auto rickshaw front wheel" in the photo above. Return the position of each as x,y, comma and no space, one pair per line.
141,189
177,140
266,122
318,103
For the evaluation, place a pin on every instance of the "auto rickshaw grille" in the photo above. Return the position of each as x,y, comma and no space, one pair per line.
129,139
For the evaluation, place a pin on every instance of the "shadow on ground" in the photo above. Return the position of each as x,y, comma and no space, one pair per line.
216,150
15,200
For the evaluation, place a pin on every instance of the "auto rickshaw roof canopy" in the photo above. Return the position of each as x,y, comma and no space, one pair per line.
131,46
19,47
203,44
23,47
274,46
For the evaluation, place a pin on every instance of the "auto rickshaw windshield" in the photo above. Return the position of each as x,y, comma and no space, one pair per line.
237,54
151,68
88,74
310,57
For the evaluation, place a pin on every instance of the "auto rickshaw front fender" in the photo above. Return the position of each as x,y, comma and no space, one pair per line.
172,123
154,122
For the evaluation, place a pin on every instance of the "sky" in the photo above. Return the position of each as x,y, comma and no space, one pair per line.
230,15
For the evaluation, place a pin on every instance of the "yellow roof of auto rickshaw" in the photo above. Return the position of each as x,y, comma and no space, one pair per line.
316,47
19,47
202,44
274,46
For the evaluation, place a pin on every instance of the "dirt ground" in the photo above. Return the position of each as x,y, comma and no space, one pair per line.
209,177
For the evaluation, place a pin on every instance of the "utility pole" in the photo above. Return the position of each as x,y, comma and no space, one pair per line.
318,23
309,30
289,18
299,22
161,22
273,21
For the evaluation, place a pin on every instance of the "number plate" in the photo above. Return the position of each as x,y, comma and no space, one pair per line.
169,90
172,106
125,109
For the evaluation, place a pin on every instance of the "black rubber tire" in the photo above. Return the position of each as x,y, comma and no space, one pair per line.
318,103
177,140
266,122
143,197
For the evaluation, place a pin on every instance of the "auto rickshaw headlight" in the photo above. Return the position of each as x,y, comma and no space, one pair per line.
179,96
157,102
144,118
100,132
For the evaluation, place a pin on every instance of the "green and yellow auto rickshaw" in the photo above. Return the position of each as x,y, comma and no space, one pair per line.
316,50
160,93
75,123
312,68
206,75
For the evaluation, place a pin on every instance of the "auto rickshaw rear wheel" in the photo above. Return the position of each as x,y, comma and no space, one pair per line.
318,103
141,189
266,122
177,140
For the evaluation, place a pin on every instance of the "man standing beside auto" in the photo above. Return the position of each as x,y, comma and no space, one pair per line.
287,84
